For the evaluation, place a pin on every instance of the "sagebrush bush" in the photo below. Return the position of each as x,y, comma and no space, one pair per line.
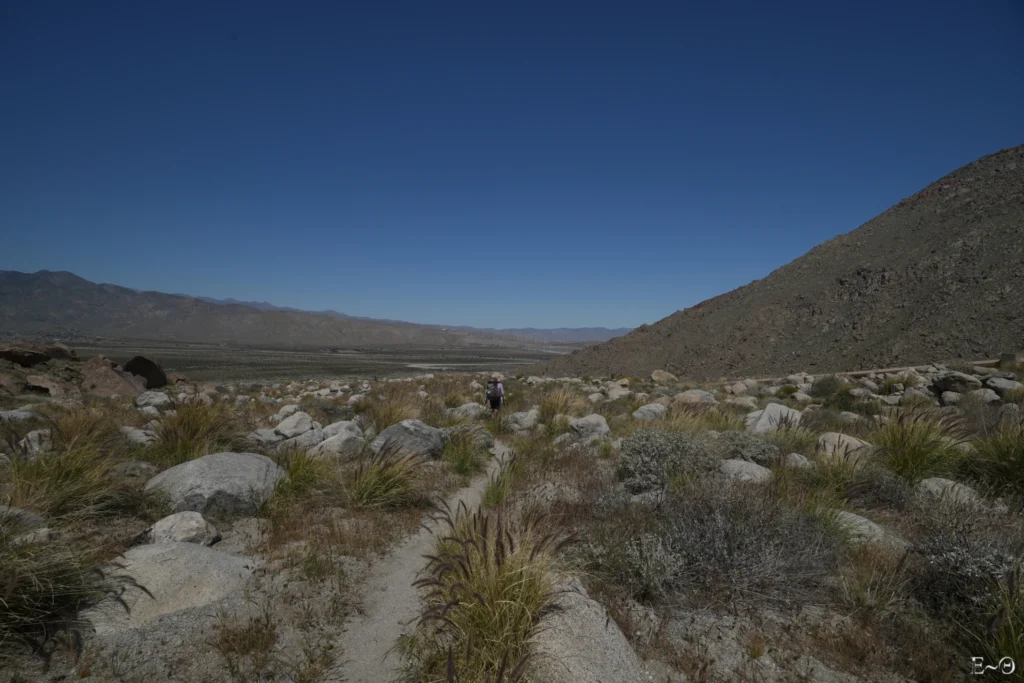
827,385
719,544
919,444
650,457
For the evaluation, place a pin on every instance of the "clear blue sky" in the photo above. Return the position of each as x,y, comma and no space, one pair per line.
540,164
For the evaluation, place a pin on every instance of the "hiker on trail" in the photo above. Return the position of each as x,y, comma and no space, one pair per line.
495,395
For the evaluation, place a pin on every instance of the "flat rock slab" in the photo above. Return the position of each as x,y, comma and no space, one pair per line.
219,484
580,643
177,576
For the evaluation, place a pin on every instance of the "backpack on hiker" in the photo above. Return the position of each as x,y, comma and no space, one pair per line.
492,390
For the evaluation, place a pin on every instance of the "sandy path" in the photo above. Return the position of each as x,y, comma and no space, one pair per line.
390,603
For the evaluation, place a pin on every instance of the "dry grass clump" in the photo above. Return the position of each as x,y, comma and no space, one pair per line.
487,587
919,444
503,482
44,586
792,438
561,401
464,452
394,405
196,430
693,419
389,478
998,459
828,385
72,482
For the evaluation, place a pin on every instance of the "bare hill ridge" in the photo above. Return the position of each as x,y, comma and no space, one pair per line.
938,275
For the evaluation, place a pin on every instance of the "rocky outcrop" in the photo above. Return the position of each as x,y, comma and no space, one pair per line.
148,370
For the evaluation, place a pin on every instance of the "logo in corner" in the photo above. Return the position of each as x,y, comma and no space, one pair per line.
979,667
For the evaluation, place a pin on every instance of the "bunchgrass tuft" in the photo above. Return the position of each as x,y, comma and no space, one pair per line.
69,482
390,478
919,444
561,401
463,453
998,459
502,482
196,430
486,588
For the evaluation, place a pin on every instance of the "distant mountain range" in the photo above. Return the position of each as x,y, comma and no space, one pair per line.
62,303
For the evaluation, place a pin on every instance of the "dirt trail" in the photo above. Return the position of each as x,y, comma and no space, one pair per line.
390,603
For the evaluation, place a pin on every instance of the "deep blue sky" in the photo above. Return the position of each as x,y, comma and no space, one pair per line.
539,164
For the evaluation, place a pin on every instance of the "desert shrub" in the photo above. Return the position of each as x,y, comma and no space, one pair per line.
650,457
389,478
311,482
978,418
787,390
718,544
487,586
737,445
917,444
827,385
874,581
963,554
196,430
998,458
561,401
841,400
45,584
877,488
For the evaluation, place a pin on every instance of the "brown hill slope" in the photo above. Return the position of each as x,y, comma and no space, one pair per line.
938,276
59,303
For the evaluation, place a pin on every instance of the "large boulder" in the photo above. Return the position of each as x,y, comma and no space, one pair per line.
295,424
772,418
694,396
44,384
184,527
468,411
581,643
590,427
166,578
337,428
951,380
219,484
1001,386
344,445
148,370
650,412
660,376
410,436
837,447
101,378
23,355
524,420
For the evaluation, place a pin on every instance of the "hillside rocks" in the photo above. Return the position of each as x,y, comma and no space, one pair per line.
51,386
694,396
102,378
468,411
582,644
934,277
344,444
184,527
221,484
148,370
153,399
11,385
661,376
959,382
524,420
22,355
410,436
176,577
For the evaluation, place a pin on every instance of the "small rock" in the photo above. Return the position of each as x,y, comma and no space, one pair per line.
663,376
184,527
849,417
696,396
590,427
141,437
950,490
863,530
16,415
772,418
986,396
295,424
1001,386
842,447
344,444
468,411
796,460
744,471
154,399
344,426
36,443
650,412
595,397
743,402
951,380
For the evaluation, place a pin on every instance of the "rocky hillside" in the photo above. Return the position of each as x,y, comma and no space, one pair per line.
61,303
936,276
